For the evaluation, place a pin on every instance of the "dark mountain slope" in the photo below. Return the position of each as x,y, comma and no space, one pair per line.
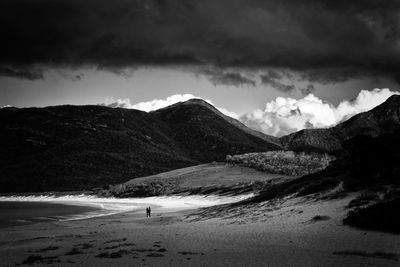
234,122
80,147
312,140
208,134
383,119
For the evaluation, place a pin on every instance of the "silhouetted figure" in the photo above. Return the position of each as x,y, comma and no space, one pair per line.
149,212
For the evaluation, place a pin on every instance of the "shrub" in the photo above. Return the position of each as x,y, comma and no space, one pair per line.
283,162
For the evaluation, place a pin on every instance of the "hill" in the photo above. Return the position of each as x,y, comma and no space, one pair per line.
80,147
383,119
207,134
238,124
211,178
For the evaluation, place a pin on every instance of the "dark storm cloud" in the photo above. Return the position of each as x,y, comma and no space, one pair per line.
324,35
325,76
279,80
272,78
307,90
21,72
71,76
218,76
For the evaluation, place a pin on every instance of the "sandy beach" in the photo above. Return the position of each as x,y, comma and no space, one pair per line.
293,232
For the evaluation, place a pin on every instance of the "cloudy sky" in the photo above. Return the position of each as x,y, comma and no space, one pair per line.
277,65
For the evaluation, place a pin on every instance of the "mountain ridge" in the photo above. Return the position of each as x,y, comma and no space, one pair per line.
79,147
382,119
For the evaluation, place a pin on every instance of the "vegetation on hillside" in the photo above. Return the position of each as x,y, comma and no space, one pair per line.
283,162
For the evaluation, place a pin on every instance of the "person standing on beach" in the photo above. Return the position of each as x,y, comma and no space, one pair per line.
149,211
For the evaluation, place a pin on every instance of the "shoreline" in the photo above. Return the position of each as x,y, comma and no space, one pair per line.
100,207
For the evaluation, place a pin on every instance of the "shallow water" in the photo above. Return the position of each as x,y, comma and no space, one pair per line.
20,212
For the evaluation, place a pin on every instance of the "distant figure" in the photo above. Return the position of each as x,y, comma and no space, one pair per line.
148,212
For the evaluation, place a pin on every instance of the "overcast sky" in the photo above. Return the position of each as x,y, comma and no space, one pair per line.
240,55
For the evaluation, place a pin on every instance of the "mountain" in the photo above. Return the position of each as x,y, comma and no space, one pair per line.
207,134
383,119
80,147
238,124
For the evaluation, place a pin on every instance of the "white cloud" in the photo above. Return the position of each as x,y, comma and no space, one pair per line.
286,115
117,103
282,115
365,100
226,112
160,103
